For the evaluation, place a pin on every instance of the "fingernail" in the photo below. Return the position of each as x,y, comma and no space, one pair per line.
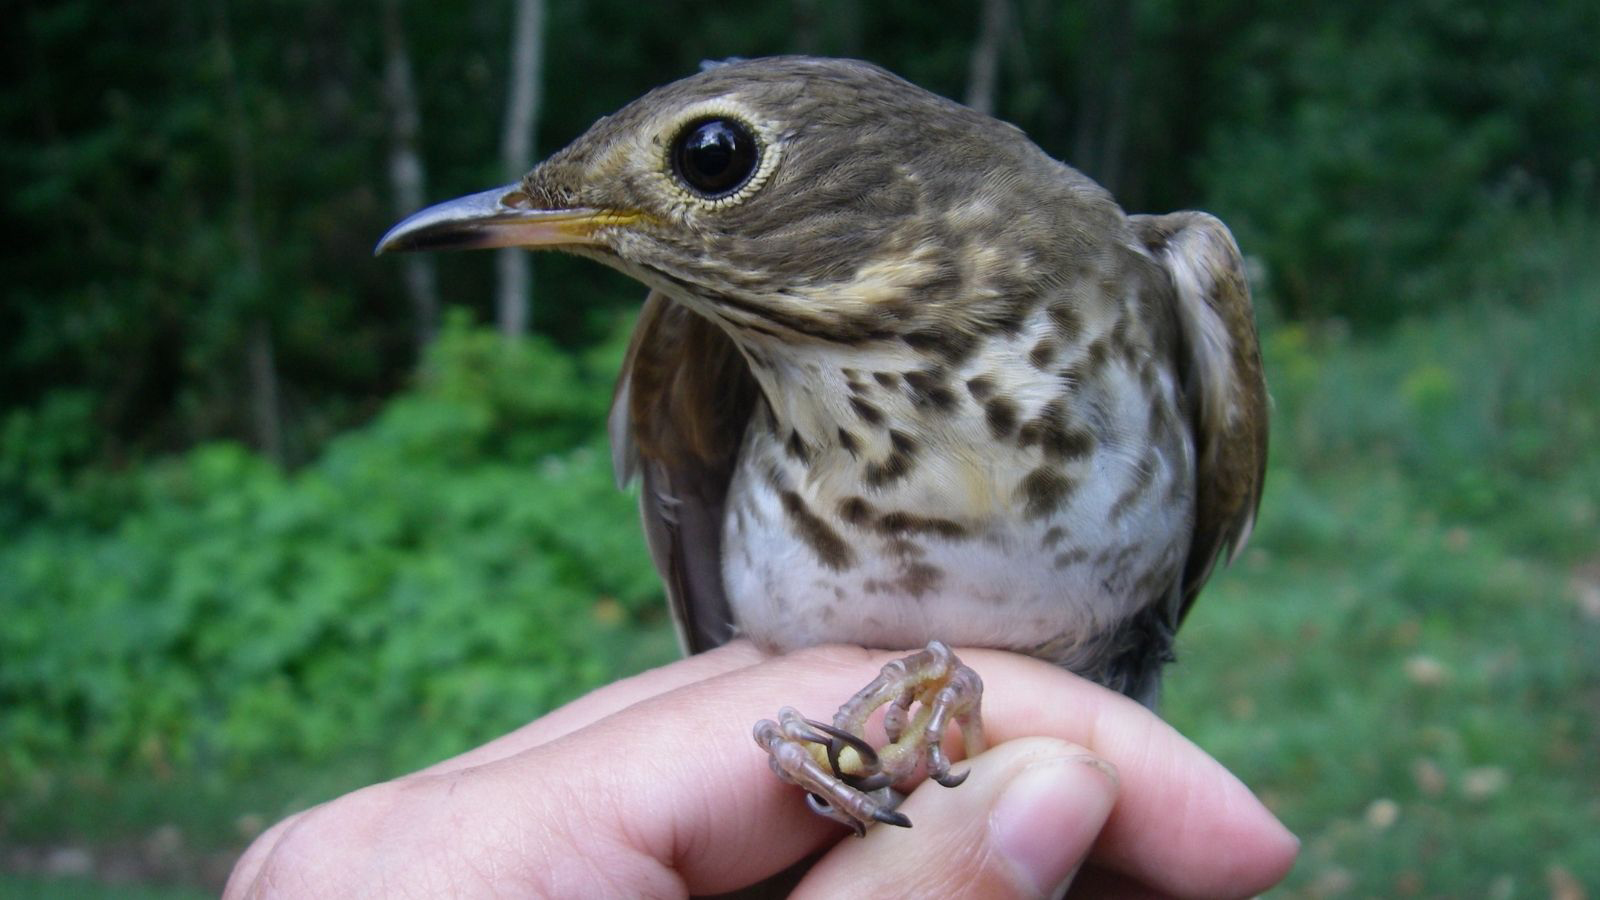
1048,816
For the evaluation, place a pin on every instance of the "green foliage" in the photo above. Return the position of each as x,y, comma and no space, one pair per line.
209,636
1370,148
1482,410
438,577
37,888
194,175
1402,662
191,632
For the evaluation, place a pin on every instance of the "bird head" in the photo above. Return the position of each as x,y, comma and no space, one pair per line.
799,196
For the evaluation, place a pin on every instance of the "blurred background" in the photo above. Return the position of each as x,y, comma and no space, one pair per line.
278,519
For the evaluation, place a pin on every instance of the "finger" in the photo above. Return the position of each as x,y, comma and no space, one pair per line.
1215,837
604,701
696,797
1030,816
674,792
245,871
572,716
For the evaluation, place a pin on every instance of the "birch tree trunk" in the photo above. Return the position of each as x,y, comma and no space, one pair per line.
261,367
983,72
407,176
516,149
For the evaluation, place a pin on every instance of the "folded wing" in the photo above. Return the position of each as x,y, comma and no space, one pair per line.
1221,365
677,418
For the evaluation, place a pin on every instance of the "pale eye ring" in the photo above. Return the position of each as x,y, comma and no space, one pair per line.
714,156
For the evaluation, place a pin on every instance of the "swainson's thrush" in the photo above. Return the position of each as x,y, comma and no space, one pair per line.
901,379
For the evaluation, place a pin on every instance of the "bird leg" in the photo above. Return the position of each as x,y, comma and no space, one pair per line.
848,780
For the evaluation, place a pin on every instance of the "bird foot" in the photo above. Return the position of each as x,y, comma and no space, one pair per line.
851,782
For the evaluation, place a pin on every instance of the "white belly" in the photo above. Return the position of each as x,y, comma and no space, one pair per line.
959,545
1054,582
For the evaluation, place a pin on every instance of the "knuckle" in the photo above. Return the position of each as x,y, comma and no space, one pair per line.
327,849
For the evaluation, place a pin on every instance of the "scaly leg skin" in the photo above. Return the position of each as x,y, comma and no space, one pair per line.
846,779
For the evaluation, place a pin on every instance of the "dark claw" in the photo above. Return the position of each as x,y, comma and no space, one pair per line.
866,784
816,737
839,739
890,817
933,678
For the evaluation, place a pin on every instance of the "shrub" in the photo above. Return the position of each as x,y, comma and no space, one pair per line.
449,571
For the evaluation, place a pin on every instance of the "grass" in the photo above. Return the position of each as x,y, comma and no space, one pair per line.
1403,663
1415,702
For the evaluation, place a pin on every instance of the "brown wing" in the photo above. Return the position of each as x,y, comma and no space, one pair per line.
1221,363
680,409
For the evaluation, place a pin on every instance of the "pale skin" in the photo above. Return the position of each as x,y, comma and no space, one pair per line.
652,787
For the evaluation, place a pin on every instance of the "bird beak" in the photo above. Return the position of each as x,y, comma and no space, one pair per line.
501,217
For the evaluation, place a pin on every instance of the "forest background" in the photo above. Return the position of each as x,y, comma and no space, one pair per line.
278,518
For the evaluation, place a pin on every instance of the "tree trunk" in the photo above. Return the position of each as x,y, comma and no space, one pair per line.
266,408
407,177
261,368
983,72
516,149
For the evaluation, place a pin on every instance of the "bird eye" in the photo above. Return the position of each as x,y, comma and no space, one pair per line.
715,156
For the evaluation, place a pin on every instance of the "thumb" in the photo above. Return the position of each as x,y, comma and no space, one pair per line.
1018,827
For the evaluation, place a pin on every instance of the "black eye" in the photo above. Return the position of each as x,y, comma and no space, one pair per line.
715,156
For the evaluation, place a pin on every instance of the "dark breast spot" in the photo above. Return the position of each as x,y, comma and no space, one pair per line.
869,414
797,449
1070,558
897,465
927,390
1008,317
1066,320
1073,376
919,578
1095,359
1042,354
949,344
897,525
914,580
848,442
981,388
1050,433
817,534
887,379
1001,414
1044,490
855,510
900,523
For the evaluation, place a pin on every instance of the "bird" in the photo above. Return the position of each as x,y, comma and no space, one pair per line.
901,380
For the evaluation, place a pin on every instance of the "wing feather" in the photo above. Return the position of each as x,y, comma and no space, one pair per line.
682,402
1221,365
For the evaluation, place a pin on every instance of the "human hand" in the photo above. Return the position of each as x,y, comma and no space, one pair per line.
653,787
